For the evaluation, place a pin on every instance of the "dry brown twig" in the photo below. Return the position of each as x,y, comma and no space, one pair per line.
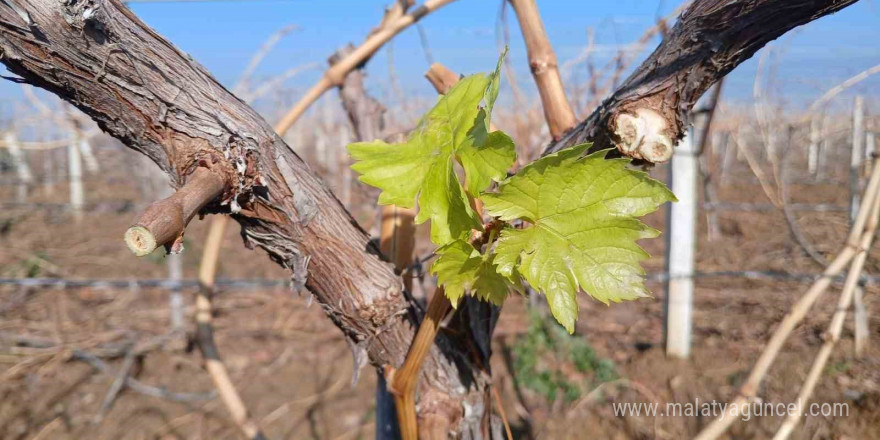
544,66
441,78
836,90
275,82
500,405
832,335
204,336
403,381
245,79
749,389
117,386
394,21
755,167
164,222
623,60
793,226
502,40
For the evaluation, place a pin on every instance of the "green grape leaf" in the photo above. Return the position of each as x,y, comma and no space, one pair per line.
583,213
423,169
460,269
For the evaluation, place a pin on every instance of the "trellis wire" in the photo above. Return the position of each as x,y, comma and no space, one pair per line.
253,284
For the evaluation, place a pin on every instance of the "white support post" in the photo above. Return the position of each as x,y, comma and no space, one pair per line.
681,247
869,151
85,149
159,189
858,135
813,152
824,148
860,313
77,196
175,299
22,169
48,172
860,321
730,152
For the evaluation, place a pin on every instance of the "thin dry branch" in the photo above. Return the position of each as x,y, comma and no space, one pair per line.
649,111
138,386
403,381
118,384
625,57
270,43
793,226
441,78
204,336
275,82
545,69
392,24
164,222
749,389
141,89
836,90
500,405
45,145
753,164
832,335
94,359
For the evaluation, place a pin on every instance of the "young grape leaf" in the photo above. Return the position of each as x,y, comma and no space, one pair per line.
584,229
461,269
423,168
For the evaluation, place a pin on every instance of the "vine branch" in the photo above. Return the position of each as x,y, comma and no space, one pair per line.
164,222
395,21
648,113
545,69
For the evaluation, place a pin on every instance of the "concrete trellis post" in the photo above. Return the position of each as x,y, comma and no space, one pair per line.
824,147
48,172
22,169
858,135
77,196
813,152
175,299
860,321
860,312
681,247
85,149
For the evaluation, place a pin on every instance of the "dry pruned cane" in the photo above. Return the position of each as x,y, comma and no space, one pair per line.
163,222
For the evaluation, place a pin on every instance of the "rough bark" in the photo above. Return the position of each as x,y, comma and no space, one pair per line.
367,118
647,115
141,89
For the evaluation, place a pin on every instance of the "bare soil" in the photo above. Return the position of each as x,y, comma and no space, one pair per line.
295,370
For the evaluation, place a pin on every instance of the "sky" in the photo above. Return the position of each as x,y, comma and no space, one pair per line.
223,35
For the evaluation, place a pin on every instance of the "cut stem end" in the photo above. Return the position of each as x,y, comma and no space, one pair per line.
140,240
